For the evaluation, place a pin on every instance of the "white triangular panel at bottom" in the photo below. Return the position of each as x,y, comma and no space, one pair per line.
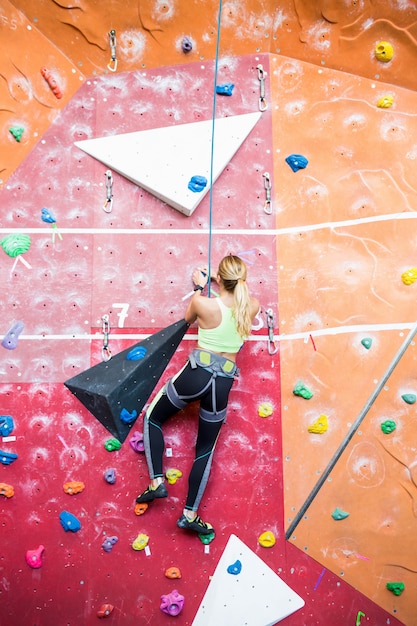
164,160
255,596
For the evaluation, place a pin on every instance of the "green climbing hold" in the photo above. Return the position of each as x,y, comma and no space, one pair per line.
301,390
17,132
410,398
206,539
112,444
388,426
366,342
338,514
396,588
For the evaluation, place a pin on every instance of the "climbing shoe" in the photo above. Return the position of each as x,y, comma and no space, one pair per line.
197,525
150,494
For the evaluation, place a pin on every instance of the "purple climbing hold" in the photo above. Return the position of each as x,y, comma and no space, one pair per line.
110,476
296,162
108,543
186,44
136,442
6,425
11,338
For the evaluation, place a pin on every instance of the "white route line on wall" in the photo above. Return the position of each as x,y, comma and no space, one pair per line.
340,330
218,231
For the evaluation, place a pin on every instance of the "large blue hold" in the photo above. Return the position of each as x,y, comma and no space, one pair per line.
69,522
297,162
6,425
7,457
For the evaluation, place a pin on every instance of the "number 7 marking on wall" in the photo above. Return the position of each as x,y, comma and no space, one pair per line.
122,315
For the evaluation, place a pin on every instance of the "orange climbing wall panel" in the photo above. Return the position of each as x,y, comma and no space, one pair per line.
140,257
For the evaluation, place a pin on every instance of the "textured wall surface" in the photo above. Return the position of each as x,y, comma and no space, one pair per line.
328,261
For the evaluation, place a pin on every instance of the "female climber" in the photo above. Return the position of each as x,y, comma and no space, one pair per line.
224,323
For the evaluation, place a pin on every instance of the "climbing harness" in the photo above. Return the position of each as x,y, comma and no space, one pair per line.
108,205
267,185
105,351
112,64
261,77
272,347
217,365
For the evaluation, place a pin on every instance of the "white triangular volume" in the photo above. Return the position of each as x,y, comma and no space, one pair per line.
255,596
164,160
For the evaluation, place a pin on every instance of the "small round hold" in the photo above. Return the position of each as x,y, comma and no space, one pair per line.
186,45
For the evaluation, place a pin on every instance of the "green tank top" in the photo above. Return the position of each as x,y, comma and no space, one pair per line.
223,338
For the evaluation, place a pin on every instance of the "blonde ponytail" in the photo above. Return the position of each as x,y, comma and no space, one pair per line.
232,271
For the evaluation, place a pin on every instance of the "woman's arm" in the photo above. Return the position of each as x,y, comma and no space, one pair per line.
199,278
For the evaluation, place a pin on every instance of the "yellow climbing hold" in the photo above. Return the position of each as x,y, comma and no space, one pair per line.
385,102
384,51
172,475
140,542
319,426
267,539
265,409
410,276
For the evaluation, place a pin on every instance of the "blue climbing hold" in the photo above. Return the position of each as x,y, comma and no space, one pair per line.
136,353
226,89
69,522
296,162
197,183
6,425
47,217
235,568
7,457
126,417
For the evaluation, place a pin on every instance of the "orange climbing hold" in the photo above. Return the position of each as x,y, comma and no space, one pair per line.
141,508
173,572
74,487
6,490
51,82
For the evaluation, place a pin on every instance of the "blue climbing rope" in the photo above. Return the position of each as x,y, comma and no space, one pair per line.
216,67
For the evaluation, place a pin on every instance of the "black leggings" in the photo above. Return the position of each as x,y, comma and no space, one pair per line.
191,384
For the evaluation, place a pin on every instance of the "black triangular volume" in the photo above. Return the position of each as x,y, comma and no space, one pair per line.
123,385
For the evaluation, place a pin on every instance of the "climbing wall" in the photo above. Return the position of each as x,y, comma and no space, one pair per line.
318,200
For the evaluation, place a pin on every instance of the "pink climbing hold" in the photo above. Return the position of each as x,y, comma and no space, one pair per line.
34,557
172,603
136,442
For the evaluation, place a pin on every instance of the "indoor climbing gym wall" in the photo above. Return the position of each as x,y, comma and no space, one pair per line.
141,140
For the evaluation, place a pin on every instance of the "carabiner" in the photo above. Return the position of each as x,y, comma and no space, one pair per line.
108,205
105,351
267,185
272,347
261,77
112,64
